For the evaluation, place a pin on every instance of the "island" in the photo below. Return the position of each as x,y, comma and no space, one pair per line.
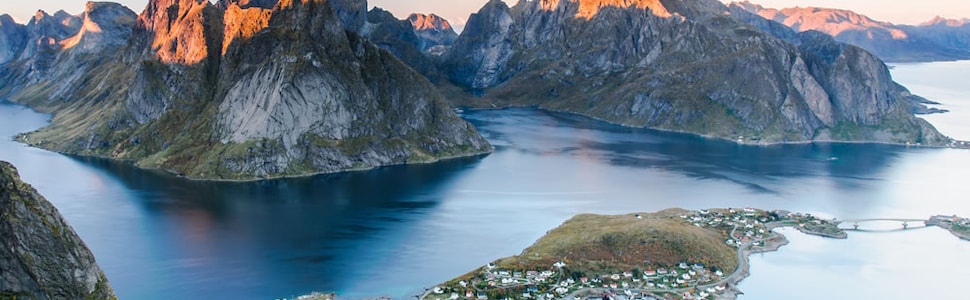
671,254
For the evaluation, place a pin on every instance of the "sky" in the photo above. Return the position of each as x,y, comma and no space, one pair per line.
457,11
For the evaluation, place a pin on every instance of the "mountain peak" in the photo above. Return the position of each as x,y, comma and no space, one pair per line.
6,19
103,24
587,9
944,22
428,22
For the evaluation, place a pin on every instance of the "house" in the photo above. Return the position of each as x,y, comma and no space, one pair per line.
532,289
613,285
468,294
559,264
627,274
517,274
453,296
463,283
583,280
682,265
531,274
661,271
615,277
650,273
481,295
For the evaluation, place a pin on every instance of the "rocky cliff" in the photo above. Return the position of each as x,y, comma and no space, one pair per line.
13,38
41,257
242,90
939,39
435,32
680,65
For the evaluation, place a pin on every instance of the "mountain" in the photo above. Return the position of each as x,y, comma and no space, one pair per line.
13,38
939,39
240,90
435,32
40,254
680,65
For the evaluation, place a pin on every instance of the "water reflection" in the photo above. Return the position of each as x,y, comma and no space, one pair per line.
755,167
393,231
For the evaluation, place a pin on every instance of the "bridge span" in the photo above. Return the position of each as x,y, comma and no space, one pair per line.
905,223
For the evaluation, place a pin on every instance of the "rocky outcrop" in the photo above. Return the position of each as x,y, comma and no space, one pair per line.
59,50
939,39
352,13
40,254
680,65
435,33
103,25
398,37
236,90
13,38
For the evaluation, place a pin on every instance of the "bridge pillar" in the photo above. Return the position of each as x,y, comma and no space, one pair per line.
855,226
905,225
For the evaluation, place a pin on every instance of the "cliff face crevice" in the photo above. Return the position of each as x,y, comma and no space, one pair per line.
696,68
40,254
246,90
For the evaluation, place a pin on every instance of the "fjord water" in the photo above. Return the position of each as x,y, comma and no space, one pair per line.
943,82
394,231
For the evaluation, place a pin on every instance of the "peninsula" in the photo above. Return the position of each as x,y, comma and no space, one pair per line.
671,254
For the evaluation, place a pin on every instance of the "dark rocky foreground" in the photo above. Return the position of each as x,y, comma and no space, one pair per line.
41,257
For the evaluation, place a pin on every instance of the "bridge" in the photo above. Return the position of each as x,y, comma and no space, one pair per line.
905,223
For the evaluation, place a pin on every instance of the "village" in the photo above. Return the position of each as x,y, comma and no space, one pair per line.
746,230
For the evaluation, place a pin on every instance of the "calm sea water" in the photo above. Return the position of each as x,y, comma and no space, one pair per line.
394,231
943,82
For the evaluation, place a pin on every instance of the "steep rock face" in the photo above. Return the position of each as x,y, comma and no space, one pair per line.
399,38
688,66
40,254
59,50
13,38
433,31
926,42
479,57
181,31
236,90
103,25
352,13
45,31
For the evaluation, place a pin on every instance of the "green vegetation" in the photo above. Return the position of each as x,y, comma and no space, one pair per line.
595,244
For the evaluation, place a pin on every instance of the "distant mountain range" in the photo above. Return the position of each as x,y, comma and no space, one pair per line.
250,89
935,40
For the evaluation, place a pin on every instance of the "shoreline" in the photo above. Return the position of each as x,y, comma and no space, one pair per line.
21,139
713,137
